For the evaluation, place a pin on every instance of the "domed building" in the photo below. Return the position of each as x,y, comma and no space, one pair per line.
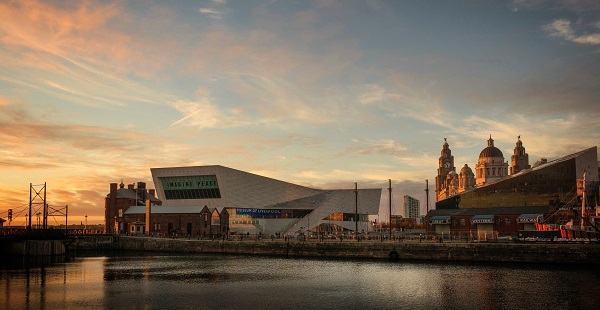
466,179
491,165
541,197
490,168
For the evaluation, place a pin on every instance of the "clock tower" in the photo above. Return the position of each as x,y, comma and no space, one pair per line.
446,164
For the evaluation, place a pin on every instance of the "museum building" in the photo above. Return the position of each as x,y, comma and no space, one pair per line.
217,200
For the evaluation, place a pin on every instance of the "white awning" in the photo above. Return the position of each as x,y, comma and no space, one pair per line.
440,219
529,218
483,219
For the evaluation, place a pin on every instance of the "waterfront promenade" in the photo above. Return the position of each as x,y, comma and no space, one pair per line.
529,252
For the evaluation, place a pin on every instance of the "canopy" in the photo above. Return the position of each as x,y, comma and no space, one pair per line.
440,219
483,219
529,218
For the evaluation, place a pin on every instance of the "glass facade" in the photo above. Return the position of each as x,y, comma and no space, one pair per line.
347,217
191,187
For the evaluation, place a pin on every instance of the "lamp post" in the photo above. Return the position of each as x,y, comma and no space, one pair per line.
86,222
356,210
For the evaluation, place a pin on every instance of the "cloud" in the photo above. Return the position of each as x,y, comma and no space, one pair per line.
77,53
561,28
384,147
215,11
202,114
4,102
403,100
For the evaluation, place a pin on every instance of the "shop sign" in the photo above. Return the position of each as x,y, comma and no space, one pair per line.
258,212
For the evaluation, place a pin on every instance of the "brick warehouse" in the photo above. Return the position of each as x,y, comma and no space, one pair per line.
120,199
126,214
187,221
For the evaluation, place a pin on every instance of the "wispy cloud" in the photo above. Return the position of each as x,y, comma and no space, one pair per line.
403,100
216,10
201,114
386,147
562,28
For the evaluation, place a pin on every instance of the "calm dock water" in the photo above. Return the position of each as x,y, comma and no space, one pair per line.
167,281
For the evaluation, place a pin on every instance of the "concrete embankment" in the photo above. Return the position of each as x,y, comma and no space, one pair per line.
33,247
471,252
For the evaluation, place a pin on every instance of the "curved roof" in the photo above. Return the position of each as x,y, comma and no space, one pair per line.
466,170
491,151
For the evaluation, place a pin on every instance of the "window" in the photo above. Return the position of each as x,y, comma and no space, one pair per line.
507,221
463,222
193,193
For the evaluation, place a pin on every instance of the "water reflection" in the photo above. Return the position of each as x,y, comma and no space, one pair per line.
244,282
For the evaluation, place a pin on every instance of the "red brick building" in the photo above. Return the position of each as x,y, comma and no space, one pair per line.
193,221
125,213
120,199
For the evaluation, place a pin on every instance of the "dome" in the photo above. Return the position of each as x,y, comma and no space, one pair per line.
491,150
466,170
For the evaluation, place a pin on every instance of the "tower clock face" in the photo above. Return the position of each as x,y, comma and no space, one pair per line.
447,164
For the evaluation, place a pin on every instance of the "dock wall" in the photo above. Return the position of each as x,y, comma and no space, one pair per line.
34,247
469,252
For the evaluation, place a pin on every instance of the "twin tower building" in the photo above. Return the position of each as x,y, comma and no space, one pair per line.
490,167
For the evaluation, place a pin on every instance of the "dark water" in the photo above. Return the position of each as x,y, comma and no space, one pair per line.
247,282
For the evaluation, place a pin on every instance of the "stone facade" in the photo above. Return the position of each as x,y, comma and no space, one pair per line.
490,168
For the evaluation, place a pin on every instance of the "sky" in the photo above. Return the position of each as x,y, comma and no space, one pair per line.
317,93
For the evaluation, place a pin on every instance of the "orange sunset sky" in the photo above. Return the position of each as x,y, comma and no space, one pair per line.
317,93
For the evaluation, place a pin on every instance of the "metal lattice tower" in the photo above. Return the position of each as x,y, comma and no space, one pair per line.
37,201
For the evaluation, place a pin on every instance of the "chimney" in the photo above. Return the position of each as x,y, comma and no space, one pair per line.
113,190
130,186
152,192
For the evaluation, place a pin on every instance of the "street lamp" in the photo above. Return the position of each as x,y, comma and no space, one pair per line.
86,222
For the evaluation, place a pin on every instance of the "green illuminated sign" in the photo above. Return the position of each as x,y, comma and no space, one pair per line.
190,182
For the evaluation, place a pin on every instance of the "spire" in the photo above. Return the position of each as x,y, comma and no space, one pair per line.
121,185
490,141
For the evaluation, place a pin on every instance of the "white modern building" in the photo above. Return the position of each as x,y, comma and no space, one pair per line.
412,207
258,204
